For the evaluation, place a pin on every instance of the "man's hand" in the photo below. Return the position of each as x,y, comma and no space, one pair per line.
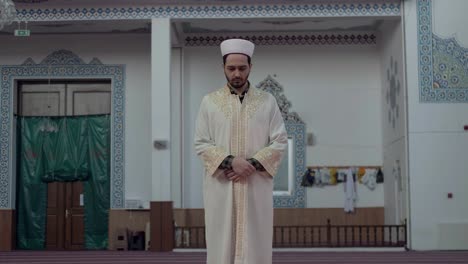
242,167
232,176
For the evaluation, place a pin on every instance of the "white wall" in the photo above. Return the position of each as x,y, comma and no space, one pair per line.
334,89
437,144
393,120
447,21
202,74
131,50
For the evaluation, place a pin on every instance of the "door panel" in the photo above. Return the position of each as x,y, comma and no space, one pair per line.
88,99
42,100
75,219
55,216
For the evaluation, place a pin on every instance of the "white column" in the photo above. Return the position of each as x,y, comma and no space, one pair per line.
176,127
160,109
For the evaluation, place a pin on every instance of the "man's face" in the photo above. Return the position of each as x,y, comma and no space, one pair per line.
237,70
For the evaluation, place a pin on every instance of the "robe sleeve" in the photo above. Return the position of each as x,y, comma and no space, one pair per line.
205,147
271,155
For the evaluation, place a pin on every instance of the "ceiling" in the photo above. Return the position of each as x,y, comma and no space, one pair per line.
279,25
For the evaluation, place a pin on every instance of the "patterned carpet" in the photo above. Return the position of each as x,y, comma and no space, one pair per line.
137,257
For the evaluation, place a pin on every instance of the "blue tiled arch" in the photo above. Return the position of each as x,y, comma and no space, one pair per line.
62,64
296,129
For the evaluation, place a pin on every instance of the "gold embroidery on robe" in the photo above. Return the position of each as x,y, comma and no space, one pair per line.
221,98
254,100
270,159
212,157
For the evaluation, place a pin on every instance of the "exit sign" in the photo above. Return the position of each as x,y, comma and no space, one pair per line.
22,32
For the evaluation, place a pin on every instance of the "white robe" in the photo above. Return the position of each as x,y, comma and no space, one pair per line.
350,191
239,216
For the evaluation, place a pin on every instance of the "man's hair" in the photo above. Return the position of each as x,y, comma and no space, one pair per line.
225,57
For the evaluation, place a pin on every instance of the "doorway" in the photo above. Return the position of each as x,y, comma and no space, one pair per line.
65,225
65,216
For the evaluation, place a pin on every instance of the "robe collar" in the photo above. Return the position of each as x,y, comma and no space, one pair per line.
241,96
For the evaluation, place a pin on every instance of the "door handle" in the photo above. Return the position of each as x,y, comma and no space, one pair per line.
66,213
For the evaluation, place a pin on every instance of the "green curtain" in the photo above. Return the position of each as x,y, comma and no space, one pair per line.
63,149
31,191
97,188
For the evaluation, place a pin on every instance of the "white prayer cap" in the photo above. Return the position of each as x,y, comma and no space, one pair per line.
241,46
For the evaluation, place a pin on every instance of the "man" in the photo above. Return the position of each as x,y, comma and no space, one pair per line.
240,137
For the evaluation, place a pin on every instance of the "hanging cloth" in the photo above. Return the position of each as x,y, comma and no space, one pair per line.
62,149
350,191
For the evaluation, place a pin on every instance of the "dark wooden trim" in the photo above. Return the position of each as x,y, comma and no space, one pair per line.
7,229
167,226
320,216
155,223
162,227
297,216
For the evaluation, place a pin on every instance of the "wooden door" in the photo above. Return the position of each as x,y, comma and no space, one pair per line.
65,216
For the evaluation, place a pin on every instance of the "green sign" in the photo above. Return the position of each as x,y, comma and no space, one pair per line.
22,32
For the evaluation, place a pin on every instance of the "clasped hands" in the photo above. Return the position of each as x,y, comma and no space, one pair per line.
241,169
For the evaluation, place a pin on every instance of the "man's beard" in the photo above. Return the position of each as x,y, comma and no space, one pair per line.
238,82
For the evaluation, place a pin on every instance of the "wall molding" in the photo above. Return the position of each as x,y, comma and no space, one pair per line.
62,64
305,9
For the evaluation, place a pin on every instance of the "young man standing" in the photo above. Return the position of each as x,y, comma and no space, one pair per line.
240,137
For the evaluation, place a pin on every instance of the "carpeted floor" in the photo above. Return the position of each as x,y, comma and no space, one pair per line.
137,257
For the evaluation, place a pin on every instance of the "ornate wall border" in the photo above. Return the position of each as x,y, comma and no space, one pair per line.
435,90
62,64
296,129
368,38
318,9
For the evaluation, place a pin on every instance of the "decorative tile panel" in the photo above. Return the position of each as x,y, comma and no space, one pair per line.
443,63
392,92
450,62
288,39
